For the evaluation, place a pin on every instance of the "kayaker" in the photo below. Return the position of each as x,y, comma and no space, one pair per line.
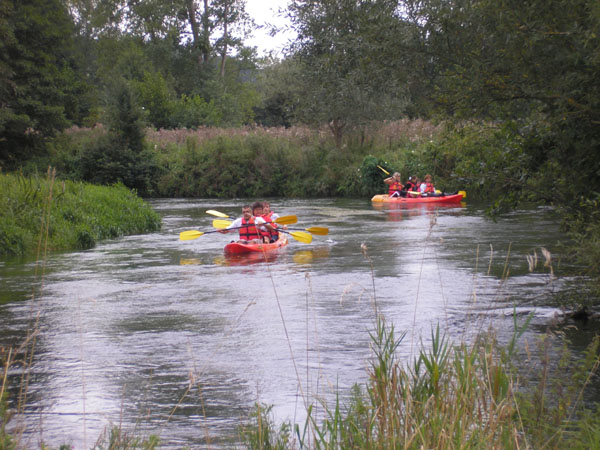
266,234
427,188
269,217
395,186
411,185
267,211
416,187
249,226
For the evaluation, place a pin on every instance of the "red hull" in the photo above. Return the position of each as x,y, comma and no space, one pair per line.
445,199
234,248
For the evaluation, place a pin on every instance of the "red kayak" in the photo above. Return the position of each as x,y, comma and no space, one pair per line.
234,248
384,198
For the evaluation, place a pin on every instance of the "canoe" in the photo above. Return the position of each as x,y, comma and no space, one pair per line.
384,198
233,248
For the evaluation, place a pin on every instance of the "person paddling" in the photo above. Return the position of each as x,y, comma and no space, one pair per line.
251,228
270,218
427,188
395,186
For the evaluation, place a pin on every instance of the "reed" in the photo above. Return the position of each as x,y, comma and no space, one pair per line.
449,396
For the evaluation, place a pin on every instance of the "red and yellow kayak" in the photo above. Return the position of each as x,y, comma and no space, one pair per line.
233,248
384,198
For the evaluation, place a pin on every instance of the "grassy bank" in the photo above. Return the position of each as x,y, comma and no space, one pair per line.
65,215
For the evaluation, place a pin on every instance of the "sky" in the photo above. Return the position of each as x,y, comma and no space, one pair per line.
265,11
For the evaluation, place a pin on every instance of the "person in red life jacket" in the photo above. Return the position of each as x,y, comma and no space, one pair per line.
270,217
410,185
395,186
416,191
265,234
427,187
251,228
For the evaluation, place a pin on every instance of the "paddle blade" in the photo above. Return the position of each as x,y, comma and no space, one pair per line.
221,224
212,212
463,193
319,231
286,220
189,235
383,170
301,236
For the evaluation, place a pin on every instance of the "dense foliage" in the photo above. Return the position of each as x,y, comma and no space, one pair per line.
39,214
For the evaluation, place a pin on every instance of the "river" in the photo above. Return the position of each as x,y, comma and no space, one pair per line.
173,338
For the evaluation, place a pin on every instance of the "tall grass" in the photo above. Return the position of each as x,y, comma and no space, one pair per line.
450,396
73,215
480,394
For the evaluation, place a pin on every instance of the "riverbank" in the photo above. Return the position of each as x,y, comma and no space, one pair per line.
42,213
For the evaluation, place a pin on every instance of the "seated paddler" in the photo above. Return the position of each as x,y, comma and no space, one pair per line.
252,229
395,186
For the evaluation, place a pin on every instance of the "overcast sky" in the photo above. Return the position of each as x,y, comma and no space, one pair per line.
265,11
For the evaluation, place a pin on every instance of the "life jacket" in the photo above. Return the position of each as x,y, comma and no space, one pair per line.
249,230
409,186
429,188
395,186
272,235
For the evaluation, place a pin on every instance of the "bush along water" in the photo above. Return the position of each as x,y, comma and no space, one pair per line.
66,215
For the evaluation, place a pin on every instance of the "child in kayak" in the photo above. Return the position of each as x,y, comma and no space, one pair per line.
270,217
427,188
415,192
410,185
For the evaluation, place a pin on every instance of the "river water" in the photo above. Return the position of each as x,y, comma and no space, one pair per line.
171,337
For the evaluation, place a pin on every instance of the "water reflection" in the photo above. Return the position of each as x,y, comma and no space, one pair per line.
308,256
246,259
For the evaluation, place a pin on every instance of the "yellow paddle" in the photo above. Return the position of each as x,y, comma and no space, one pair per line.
301,236
221,224
193,234
319,231
283,220
212,212
383,170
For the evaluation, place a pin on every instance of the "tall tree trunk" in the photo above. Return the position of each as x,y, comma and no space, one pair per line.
191,8
337,128
225,40
206,33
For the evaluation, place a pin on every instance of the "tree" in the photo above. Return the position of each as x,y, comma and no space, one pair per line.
120,156
350,70
534,64
227,18
40,82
